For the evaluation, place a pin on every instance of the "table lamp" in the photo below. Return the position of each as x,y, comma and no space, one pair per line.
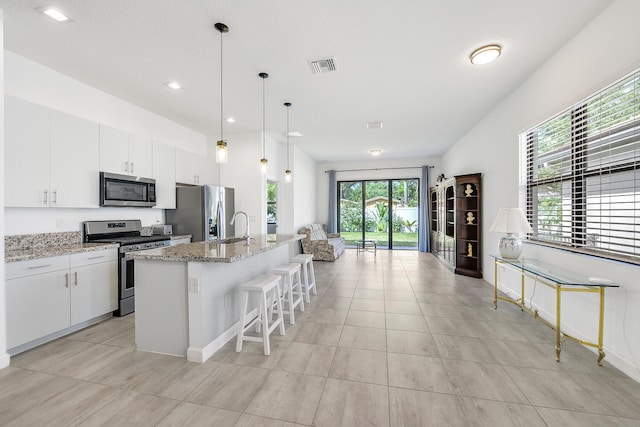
513,222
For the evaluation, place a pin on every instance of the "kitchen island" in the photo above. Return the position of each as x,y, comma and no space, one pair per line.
188,296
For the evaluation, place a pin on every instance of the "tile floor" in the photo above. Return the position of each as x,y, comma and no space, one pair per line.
391,340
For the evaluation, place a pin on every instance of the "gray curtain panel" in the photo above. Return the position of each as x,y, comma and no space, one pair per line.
424,225
331,222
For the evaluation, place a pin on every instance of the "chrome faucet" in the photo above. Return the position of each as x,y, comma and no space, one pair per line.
246,217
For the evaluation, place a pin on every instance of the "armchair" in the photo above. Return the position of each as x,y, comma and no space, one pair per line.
323,246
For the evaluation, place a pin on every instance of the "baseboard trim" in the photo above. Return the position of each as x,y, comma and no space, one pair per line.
200,355
5,359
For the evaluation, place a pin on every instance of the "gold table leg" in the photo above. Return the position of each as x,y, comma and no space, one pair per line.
600,327
495,283
558,334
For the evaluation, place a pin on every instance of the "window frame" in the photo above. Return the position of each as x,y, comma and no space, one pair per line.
580,172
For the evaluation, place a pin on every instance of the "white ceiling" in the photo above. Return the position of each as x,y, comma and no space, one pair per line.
403,62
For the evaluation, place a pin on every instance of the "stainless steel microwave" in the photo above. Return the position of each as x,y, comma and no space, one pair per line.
128,191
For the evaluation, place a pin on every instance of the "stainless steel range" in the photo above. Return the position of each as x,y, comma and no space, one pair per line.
127,234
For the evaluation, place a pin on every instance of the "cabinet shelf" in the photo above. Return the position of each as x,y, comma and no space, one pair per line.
452,238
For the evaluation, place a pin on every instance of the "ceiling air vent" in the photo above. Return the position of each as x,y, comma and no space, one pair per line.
324,65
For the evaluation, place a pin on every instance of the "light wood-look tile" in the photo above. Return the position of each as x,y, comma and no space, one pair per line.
555,389
288,396
228,386
252,353
418,373
369,294
558,417
360,365
414,408
347,403
189,414
318,333
132,408
309,359
409,342
489,413
339,303
248,420
363,304
482,380
363,338
406,322
365,319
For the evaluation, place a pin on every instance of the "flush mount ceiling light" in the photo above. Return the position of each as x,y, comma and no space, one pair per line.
230,120
173,85
294,134
375,152
287,172
485,54
222,154
54,14
263,160
374,125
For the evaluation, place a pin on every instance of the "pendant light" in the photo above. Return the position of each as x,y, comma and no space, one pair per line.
263,160
222,154
287,173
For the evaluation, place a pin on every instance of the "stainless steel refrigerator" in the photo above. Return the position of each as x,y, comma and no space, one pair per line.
204,212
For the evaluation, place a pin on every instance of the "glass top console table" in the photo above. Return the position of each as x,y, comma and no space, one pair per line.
366,245
560,280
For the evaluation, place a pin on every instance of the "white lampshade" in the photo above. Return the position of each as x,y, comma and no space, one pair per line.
511,221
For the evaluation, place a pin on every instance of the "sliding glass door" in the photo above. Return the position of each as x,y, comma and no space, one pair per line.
382,210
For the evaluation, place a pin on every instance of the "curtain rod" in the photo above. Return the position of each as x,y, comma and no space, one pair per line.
379,169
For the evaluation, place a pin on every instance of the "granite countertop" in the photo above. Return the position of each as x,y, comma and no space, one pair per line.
217,252
51,251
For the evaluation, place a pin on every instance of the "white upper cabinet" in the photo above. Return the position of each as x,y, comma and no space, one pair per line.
51,157
140,156
164,172
114,150
123,153
26,161
192,168
75,153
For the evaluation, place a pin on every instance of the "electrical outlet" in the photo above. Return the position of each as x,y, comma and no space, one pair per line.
194,284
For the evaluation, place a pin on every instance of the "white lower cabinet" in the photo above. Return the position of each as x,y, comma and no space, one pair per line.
93,284
49,295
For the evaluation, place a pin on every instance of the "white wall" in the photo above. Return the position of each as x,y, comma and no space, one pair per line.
604,51
414,171
4,357
305,179
33,82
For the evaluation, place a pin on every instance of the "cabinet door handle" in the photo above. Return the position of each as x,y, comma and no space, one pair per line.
40,266
46,196
126,166
75,278
66,280
54,196
131,167
96,257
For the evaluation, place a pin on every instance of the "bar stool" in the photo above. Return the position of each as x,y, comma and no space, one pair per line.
306,264
290,273
265,285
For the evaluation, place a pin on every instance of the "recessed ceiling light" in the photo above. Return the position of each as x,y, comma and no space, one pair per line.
485,54
230,120
54,13
375,152
374,125
294,134
173,85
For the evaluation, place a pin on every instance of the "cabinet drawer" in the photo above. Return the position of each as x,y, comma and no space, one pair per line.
93,257
36,266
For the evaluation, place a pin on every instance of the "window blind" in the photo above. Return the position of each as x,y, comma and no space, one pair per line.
580,174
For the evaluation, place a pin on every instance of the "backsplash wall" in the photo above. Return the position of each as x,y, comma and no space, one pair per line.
51,220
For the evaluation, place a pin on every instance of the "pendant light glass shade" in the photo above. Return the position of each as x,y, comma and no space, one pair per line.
263,160
222,155
287,172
